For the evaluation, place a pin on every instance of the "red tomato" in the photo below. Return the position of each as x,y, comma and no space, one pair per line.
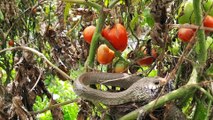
104,54
88,33
117,36
11,43
208,21
185,34
148,59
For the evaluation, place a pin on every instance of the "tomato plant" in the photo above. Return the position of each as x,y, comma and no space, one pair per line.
104,54
11,43
147,59
185,34
117,36
88,33
208,21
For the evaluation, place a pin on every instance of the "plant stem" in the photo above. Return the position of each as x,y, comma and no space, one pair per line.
92,4
94,43
202,52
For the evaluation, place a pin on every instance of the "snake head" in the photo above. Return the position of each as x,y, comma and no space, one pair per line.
147,89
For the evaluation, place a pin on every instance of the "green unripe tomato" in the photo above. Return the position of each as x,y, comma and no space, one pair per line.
186,13
120,66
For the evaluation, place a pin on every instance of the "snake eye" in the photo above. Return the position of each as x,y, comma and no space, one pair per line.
156,82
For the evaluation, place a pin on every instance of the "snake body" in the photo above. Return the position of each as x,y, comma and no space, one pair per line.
137,89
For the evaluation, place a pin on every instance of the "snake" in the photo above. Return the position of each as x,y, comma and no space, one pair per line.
136,88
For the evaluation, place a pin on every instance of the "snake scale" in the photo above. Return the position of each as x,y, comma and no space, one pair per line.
137,89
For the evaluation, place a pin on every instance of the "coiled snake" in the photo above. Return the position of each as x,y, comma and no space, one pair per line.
137,89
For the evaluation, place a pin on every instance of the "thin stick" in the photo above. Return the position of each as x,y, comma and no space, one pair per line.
39,77
189,26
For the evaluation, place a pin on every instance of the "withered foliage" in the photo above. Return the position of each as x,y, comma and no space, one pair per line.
18,97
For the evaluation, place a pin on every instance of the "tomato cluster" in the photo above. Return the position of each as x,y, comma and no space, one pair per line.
116,35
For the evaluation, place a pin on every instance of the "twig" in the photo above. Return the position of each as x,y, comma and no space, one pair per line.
40,55
54,106
189,26
39,77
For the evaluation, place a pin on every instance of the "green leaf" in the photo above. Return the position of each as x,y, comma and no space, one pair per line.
209,43
210,70
200,111
148,17
1,16
134,21
66,11
106,2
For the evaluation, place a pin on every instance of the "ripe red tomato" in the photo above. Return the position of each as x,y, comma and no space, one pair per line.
104,54
185,34
208,21
88,33
117,36
147,59
11,43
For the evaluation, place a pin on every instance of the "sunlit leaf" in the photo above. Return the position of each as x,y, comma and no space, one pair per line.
66,11
134,21
209,43
1,16
200,111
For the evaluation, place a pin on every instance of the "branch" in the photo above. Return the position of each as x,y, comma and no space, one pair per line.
40,55
190,26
